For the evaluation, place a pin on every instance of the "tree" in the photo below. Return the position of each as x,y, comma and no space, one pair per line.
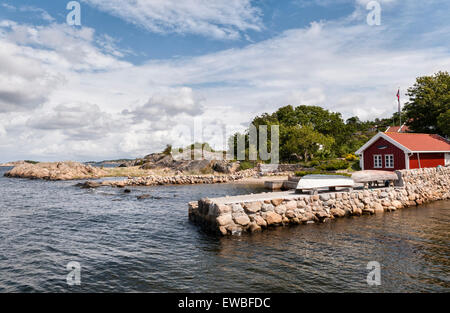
167,150
302,142
444,123
428,99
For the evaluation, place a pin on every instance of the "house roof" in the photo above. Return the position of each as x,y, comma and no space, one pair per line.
411,142
421,142
398,129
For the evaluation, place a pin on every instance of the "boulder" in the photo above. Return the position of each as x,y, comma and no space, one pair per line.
378,208
273,218
56,171
252,207
291,205
276,202
225,219
242,219
337,212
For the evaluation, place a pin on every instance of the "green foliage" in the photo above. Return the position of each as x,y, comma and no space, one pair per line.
429,98
245,165
167,150
443,121
334,165
313,163
351,157
318,172
31,162
355,166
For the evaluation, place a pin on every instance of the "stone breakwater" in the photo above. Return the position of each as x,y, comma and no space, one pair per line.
231,217
155,180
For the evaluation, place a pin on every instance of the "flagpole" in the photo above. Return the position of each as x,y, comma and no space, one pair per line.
399,110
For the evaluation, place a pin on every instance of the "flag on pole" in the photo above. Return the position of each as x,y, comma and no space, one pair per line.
399,108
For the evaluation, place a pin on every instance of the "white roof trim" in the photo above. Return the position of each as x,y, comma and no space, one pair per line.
387,138
443,151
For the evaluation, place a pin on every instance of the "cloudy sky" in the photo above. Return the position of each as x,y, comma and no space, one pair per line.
138,74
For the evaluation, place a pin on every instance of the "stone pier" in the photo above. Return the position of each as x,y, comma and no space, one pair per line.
253,213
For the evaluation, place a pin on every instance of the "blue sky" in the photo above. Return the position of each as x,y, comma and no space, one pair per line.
139,74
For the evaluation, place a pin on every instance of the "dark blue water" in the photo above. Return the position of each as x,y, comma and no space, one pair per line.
126,244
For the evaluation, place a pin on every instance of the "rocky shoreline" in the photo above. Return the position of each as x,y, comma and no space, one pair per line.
233,218
155,180
67,170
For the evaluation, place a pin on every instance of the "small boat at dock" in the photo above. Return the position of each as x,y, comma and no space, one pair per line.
313,183
373,177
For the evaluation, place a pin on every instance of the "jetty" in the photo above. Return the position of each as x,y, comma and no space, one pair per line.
256,212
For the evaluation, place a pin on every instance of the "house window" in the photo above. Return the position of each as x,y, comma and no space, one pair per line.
389,161
377,161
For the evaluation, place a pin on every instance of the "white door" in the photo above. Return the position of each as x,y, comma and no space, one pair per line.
447,159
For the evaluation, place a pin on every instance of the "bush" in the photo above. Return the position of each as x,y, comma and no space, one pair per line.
31,162
245,165
351,157
313,163
318,172
335,165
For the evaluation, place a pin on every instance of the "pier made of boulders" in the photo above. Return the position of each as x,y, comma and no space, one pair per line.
256,212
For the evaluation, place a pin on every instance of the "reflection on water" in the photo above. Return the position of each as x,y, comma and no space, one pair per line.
126,244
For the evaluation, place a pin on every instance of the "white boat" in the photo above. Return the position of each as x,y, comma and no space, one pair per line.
369,176
314,182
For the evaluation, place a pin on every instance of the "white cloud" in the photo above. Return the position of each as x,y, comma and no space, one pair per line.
92,105
221,19
170,102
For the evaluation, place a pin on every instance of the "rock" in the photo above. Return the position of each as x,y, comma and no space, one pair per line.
223,230
224,219
337,212
357,211
290,214
273,218
321,214
56,171
252,207
301,204
324,196
291,205
223,209
397,204
89,184
237,208
144,196
267,207
281,209
254,227
260,221
368,211
243,220
378,208
277,202
127,191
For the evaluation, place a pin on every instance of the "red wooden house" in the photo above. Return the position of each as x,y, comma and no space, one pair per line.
396,151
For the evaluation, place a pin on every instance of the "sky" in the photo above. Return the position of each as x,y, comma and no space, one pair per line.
139,74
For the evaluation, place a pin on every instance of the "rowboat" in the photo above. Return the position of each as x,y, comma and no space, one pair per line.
312,183
372,177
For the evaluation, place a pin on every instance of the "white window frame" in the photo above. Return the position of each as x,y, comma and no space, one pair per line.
387,163
375,163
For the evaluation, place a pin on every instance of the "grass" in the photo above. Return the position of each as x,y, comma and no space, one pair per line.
319,172
133,171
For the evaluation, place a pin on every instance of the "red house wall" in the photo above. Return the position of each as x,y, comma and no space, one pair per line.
399,155
426,160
